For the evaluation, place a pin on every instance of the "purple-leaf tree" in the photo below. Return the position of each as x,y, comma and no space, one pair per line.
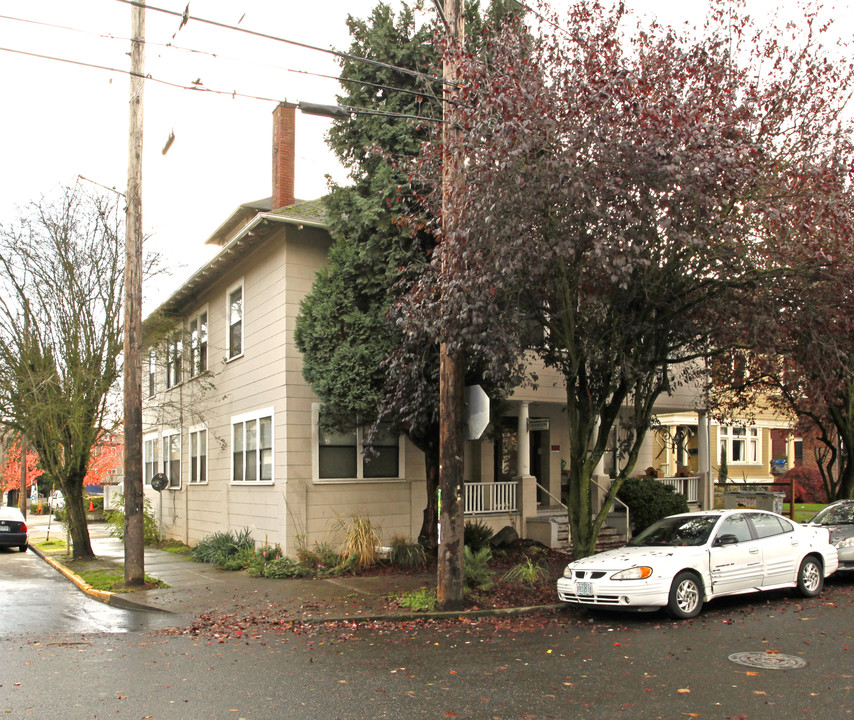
621,188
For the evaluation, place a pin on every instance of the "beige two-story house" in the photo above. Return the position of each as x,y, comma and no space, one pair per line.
232,424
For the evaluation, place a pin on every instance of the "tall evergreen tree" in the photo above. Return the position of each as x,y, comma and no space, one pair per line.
342,328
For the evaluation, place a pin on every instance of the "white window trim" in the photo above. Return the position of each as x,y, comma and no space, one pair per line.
165,436
148,437
151,373
190,431
725,434
176,343
228,357
190,355
247,417
360,478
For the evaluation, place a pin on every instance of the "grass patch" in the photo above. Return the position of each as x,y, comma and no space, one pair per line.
108,575
175,547
422,600
803,511
50,545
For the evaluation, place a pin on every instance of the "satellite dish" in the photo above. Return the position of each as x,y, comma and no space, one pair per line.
159,482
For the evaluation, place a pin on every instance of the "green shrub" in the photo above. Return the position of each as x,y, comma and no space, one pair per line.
97,502
320,560
477,575
225,549
404,554
476,535
285,567
115,518
528,573
421,600
650,500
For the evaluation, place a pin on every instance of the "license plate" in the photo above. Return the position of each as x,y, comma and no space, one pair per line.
583,588
4,528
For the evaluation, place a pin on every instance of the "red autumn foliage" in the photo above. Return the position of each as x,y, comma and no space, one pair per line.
10,473
809,487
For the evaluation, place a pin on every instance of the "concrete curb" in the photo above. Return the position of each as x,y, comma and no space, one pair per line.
104,596
122,601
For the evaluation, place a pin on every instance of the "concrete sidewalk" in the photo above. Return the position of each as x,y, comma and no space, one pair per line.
197,588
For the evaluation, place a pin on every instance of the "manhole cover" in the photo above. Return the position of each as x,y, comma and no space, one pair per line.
769,661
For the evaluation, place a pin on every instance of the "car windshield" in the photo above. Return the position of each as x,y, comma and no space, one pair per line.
678,530
842,514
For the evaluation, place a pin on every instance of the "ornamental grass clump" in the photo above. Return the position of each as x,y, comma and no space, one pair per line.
477,575
361,545
527,573
405,555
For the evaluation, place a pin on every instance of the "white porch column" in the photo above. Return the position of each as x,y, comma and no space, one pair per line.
704,460
599,470
524,442
790,451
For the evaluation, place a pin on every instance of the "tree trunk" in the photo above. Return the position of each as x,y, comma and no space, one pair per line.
428,537
76,519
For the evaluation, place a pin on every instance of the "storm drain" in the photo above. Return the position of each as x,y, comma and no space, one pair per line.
768,661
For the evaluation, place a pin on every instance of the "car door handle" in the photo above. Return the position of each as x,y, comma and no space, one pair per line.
754,551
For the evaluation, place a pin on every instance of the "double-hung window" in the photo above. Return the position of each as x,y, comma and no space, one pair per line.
198,329
152,372
234,316
198,455
174,360
172,458
150,457
742,445
341,454
252,447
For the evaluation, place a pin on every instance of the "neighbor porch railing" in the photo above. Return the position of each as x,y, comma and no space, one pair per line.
490,497
687,486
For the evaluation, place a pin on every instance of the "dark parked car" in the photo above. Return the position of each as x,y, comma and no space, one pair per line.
838,518
13,528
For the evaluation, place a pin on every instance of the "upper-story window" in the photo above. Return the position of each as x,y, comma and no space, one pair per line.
198,329
741,445
174,360
234,315
152,372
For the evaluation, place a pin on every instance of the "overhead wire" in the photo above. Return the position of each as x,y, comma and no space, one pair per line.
180,48
295,43
351,109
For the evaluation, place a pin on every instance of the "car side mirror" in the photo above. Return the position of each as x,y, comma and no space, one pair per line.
726,539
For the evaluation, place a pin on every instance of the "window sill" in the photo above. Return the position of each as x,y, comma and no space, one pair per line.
196,484
251,483
236,357
356,481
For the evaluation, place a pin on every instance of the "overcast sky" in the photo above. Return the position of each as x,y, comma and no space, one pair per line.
61,121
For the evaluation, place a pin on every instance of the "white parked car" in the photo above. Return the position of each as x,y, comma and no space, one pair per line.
682,561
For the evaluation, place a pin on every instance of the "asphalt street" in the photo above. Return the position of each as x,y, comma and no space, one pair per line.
570,664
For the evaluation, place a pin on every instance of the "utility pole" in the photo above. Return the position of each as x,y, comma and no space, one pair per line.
23,499
134,537
450,569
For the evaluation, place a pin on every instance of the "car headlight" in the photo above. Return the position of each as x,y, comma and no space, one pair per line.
845,542
567,571
640,572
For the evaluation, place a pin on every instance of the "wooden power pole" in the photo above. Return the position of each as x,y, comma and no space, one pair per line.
134,536
450,569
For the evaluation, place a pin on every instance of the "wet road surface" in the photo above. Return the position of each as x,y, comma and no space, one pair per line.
36,599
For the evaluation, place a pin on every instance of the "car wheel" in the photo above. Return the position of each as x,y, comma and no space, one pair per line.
686,596
810,577
23,548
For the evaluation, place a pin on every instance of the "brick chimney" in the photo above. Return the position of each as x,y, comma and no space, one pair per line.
284,151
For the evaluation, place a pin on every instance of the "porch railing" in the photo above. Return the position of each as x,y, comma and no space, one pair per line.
687,486
490,497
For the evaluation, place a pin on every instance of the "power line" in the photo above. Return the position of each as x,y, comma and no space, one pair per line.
218,56
276,38
352,110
